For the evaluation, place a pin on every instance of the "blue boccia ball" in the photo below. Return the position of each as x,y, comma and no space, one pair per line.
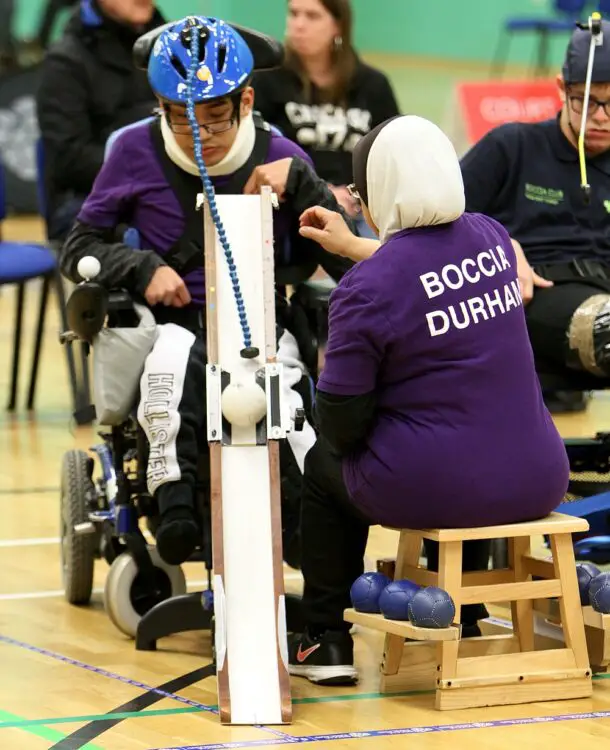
431,608
395,598
366,590
599,593
585,574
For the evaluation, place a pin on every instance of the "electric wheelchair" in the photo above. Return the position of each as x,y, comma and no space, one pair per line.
103,511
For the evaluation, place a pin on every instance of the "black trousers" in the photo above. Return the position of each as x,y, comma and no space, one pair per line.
334,535
550,313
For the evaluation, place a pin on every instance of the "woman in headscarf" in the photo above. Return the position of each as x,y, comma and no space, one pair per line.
429,407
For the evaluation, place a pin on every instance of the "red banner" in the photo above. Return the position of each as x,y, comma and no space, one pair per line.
485,105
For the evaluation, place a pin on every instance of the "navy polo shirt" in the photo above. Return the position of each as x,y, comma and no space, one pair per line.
527,177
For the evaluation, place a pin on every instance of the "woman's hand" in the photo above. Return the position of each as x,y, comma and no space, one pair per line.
328,229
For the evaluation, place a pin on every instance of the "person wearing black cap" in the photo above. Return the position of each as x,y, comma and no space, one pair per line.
429,408
527,176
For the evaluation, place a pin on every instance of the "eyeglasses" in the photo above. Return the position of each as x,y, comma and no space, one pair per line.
353,193
578,103
213,128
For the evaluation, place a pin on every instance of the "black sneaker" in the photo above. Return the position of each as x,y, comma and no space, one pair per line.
327,660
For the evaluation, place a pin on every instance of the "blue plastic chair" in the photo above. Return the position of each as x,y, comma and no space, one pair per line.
19,263
567,12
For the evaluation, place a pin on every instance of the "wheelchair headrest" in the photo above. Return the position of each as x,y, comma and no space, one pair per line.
268,53
86,310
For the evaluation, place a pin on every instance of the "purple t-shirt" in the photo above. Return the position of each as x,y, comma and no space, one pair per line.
434,324
131,188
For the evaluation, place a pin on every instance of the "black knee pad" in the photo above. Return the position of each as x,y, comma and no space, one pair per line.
589,336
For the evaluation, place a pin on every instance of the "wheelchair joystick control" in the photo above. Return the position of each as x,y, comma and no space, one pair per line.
88,267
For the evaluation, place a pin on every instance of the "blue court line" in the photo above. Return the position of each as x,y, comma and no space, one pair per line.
395,732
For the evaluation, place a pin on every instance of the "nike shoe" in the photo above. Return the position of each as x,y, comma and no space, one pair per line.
324,660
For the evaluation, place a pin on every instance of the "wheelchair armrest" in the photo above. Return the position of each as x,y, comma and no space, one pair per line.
315,294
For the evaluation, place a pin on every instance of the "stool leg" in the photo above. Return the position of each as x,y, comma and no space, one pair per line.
450,579
522,611
409,551
12,404
570,606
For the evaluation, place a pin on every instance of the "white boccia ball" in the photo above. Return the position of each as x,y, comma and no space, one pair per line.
88,267
244,404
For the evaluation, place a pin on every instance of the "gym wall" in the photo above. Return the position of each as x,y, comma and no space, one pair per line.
466,30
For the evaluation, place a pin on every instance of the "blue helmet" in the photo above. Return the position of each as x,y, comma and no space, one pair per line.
226,62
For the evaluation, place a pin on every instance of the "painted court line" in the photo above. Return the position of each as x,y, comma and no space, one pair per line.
104,673
29,542
55,593
27,491
120,678
46,734
395,732
92,730
348,697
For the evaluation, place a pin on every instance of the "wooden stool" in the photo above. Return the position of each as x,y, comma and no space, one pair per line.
597,631
499,669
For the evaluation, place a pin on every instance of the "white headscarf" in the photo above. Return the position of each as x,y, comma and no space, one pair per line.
413,177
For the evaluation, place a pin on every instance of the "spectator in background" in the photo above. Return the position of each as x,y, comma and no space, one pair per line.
89,88
8,53
324,97
52,10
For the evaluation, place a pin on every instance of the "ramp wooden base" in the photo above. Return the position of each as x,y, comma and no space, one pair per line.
498,669
597,631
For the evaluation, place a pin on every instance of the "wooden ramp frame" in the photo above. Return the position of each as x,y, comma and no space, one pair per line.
491,670
597,630
249,604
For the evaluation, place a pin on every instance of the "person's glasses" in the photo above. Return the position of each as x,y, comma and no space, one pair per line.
578,103
353,193
213,128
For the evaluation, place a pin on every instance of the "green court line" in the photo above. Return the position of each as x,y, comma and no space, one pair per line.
46,734
98,717
8,722
360,697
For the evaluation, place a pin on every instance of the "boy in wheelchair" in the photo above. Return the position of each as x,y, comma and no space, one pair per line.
150,183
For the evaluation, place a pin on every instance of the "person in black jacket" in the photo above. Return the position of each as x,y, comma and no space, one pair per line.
151,182
324,97
528,177
88,89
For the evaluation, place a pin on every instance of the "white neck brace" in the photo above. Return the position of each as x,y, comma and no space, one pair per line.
236,158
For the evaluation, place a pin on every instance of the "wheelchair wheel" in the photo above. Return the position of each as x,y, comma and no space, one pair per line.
78,551
127,599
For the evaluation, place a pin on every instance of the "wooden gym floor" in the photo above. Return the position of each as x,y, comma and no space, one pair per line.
69,679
